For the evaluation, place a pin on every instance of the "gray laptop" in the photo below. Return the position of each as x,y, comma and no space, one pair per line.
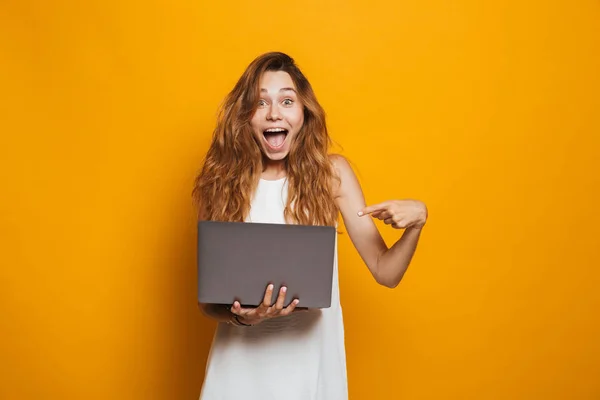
236,261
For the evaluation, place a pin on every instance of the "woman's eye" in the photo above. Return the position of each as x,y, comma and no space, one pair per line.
262,103
288,102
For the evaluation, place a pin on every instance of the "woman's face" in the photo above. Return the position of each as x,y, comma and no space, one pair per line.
279,116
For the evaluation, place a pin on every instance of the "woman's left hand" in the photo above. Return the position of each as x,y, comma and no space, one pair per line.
400,214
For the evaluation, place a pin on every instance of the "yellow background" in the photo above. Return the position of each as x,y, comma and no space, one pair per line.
487,111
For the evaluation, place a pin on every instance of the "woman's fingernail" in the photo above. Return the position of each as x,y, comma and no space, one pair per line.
271,287
284,289
360,213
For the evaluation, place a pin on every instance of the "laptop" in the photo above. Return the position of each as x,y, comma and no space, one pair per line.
237,261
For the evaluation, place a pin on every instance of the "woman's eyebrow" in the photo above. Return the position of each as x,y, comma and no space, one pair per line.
286,89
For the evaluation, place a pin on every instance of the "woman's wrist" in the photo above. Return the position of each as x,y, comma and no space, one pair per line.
240,321
416,227
222,313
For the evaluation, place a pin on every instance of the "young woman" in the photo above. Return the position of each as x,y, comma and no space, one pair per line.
269,162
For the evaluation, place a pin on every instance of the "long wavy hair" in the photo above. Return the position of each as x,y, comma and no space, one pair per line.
232,167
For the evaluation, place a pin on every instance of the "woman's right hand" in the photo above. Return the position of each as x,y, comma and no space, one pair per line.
254,316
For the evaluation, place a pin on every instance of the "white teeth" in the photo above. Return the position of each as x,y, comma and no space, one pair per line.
275,130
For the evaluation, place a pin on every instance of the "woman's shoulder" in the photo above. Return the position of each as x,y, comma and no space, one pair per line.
341,165
342,170
339,162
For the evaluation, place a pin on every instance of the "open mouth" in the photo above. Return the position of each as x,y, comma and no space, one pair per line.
275,137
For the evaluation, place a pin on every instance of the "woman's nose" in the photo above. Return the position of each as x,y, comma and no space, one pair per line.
273,112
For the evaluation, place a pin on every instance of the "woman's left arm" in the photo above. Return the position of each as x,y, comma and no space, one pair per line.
387,265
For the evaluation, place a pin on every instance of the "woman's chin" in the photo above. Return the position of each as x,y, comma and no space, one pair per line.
276,154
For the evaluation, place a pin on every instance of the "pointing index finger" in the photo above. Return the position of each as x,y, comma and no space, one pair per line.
372,209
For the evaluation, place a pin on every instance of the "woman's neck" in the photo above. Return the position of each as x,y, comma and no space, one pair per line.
273,169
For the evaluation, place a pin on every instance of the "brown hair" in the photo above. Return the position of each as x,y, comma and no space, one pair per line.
224,187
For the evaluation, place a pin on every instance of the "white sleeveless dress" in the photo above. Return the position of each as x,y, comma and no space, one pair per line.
297,357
